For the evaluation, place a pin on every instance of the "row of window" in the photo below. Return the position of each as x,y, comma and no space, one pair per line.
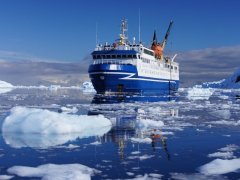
148,52
119,56
166,65
152,72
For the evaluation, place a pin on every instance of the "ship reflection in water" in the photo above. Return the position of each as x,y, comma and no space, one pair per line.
128,121
117,98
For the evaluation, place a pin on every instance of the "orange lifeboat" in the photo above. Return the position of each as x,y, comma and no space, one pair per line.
158,50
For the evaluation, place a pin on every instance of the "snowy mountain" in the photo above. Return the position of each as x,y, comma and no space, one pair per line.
232,82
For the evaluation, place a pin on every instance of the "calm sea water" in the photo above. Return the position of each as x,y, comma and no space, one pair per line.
192,130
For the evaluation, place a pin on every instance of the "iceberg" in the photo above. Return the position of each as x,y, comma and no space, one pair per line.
39,128
5,87
233,82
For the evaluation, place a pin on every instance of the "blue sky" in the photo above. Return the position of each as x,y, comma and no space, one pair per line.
64,30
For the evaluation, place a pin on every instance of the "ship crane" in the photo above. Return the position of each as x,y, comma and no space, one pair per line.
159,48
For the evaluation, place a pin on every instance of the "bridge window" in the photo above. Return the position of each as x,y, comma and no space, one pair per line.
148,52
124,56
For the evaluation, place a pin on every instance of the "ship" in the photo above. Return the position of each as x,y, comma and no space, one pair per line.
125,67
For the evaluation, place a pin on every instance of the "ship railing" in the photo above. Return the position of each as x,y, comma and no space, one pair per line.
114,61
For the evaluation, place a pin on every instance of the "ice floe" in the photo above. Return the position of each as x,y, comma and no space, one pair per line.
198,93
194,176
54,171
224,155
225,152
141,158
225,122
43,128
230,147
151,176
96,143
6,177
148,123
87,87
69,110
220,166
141,140
221,113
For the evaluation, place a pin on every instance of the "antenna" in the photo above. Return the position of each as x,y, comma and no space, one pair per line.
139,25
96,34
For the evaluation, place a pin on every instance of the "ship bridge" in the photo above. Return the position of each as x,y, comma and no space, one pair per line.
115,56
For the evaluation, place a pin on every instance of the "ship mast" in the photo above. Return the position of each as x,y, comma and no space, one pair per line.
123,36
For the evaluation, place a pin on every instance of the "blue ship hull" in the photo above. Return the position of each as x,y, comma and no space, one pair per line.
113,78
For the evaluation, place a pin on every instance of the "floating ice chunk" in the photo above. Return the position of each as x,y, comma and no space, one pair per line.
197,93
151,176
5,87
225,122
223,113
88,87
141,140
96,143
69,110
230,147
49,128
135,152
166,133
220,166
5,177
224,155
31,120
72,146
54,171
154,175
145,156
148,123
130,173
141,158
194,176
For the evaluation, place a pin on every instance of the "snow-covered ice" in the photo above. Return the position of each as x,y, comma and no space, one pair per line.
54,171
141,140
224,155
232,82
6,177
220,166
88,87
141,158
69,110
49,128
148,124
195,176
198,93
